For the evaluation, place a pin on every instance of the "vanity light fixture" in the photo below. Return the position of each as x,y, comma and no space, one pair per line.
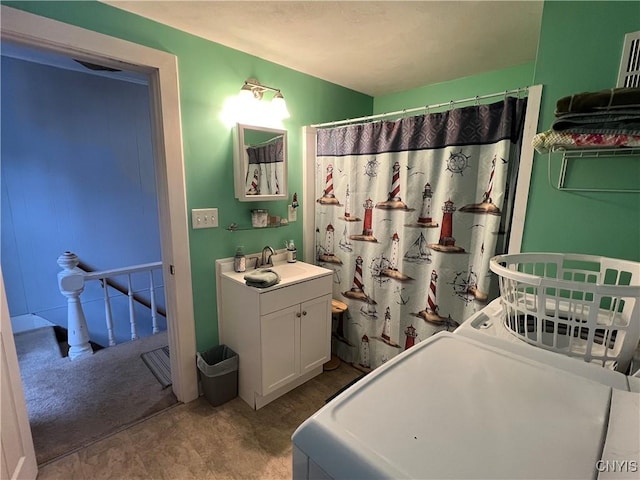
253,90
280,106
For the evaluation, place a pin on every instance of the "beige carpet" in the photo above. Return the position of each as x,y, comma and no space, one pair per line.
71,404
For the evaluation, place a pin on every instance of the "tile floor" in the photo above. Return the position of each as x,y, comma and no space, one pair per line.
198,441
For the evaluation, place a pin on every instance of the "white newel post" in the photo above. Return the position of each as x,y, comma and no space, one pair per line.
71,284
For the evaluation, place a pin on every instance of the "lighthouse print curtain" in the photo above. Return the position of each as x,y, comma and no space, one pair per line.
408,214
265,166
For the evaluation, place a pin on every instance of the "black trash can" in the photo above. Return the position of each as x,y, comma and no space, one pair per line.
218,369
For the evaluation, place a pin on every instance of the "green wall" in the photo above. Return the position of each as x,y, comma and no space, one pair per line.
467,87
579,51
209,73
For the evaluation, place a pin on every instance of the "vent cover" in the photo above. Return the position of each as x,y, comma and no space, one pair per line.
629,75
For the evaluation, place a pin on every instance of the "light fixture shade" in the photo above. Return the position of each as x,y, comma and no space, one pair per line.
280,106
246,92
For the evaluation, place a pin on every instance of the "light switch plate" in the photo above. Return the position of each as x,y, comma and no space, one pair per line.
204,217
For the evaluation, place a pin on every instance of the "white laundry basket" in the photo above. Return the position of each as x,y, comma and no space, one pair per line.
577,305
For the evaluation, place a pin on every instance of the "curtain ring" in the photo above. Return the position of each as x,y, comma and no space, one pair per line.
450,104
505,95
427,109
477,101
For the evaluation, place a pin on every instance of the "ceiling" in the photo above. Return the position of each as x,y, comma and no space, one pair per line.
374,47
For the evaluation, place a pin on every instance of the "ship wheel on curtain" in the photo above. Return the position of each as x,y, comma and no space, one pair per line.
457,162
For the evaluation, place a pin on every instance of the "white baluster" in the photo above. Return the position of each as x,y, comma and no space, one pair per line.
132,314
152,294
107,312
71,284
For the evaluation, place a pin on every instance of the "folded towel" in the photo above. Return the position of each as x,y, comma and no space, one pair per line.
262,278
609,99
623,122
545,141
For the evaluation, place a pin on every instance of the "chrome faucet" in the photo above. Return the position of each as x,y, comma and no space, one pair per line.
266,260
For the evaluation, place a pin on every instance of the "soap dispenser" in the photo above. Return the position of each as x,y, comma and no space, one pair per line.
291,251
239,260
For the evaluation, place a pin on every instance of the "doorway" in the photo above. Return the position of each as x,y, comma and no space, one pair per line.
78,174
41,33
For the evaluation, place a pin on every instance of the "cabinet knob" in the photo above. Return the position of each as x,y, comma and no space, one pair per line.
298,314
304,312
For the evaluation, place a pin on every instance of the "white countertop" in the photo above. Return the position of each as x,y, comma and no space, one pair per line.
289,272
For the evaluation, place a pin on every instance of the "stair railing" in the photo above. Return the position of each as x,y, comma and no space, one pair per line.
71,281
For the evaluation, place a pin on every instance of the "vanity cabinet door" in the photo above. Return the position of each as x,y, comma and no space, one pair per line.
315,333
280,343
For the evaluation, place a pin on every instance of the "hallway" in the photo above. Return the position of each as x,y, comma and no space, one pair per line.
72,404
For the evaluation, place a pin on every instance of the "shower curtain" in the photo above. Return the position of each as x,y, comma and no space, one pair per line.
408,214
265,167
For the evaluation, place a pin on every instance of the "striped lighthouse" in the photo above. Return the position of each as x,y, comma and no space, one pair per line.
486,206
328,195
394,194
487,195
432,307
393,201
328,190
277,190
254,190
357,288
430,313
357,276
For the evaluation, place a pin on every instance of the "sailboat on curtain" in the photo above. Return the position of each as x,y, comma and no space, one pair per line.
344,242
419,251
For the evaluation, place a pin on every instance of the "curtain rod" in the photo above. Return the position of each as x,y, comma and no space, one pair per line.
266,142
417,109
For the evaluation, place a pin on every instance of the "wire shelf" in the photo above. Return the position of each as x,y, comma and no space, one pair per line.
575,154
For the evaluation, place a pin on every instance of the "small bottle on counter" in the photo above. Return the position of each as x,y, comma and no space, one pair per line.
291,252
239,260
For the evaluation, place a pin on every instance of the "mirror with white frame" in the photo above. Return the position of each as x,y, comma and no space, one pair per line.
260,163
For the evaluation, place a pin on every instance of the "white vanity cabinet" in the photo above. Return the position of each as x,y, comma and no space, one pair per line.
282,334
292,342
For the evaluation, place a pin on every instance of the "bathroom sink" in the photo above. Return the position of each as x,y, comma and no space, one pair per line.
289,273
286,270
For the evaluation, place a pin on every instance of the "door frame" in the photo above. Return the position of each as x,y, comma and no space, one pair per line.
162,70
18,453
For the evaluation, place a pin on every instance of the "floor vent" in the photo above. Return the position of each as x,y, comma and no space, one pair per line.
629,75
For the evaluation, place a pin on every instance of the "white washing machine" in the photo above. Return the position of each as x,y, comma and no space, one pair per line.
454,406
487,326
